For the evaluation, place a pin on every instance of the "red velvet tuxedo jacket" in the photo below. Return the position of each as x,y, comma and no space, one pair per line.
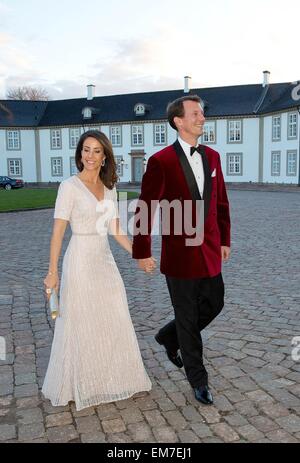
170,177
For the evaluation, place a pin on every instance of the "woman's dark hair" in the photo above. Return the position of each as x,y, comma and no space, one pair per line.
108,172
176,108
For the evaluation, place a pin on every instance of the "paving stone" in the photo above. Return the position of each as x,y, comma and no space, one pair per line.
145,403
235,419
113,426
175,419
154,418
273,411
140,432
222,403
210,414
131,415
6,389
85,412
280,436
190,413
62,434
263,423
177,398
225,432
28,402
291,423
29,378
165,434
88,424
201,430
188,436
259,396
59,419
107,411
249,432
7,432
165,404
29,416
27,390
230,372
119,438
93,437
31,431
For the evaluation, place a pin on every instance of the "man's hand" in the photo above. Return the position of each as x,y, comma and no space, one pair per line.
148,265
225,253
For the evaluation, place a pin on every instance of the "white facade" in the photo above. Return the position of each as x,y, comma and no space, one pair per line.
47,154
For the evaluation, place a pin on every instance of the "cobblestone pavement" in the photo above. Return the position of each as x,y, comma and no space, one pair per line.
247,348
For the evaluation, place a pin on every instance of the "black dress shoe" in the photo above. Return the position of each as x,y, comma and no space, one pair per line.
203,394
174,357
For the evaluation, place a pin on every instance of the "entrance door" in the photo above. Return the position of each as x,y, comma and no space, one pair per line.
137,169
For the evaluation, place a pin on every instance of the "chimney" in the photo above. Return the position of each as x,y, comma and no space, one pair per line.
186,84
90,91
266,78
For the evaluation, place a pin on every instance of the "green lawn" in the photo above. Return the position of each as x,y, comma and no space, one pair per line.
26,198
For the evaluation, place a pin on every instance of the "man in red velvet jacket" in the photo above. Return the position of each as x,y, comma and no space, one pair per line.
187,172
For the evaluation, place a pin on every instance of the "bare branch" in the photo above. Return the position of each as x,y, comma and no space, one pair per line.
27,93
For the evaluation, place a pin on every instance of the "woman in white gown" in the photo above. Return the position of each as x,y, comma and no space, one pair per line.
95,357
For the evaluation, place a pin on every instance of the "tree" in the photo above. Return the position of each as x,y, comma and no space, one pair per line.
27,93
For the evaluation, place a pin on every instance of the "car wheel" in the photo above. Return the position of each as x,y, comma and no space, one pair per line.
8,187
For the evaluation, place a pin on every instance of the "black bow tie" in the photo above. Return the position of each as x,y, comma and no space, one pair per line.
194,148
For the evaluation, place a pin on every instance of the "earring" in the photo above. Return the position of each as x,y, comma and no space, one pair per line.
103,163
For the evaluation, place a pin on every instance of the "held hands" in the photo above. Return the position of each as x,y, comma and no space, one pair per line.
225,253
51,282
148,265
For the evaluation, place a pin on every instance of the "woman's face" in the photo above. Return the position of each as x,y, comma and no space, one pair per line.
92,154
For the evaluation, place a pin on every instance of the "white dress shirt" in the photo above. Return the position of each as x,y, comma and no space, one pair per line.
196,164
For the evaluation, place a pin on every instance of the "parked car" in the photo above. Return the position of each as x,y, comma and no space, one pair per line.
8,183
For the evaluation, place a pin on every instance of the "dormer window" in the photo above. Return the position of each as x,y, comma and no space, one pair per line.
140,109
87,113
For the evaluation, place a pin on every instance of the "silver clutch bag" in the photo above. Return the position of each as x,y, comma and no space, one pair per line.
54,304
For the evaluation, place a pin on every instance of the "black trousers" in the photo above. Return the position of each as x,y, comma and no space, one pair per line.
196,303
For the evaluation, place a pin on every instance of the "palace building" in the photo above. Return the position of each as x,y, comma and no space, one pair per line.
255,128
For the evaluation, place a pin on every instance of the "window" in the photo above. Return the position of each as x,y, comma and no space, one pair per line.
209,132
119,162
234,131
291,163
292,125
276,128
14,167
160,134
57,167
139,109
73,168
137,135
275,163
116,135
55,139
234,164
13,140
74,135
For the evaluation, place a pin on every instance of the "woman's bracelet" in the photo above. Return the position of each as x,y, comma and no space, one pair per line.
52,273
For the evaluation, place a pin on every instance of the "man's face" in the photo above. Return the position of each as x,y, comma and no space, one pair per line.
191,124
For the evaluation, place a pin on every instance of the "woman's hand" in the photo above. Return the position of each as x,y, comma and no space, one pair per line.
51,282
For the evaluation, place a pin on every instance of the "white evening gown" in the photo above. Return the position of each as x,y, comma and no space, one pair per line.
95,356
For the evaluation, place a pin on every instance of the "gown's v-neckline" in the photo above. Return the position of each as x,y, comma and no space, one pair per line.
90,192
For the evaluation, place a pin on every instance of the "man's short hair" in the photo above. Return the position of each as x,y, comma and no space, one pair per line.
176,109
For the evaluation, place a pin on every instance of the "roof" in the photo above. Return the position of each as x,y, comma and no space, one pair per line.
21,113
237,100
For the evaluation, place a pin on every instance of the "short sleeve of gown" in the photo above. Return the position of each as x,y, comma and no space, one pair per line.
64,202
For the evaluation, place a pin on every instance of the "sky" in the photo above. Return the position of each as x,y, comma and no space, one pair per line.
129,46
